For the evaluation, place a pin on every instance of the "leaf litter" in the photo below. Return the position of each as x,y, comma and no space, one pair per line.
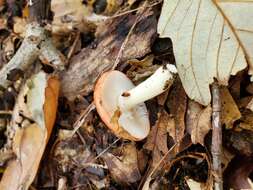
61,143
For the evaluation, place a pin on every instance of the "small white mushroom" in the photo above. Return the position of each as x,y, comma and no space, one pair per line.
121,105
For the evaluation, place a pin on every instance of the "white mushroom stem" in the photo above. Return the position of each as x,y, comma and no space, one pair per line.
156,84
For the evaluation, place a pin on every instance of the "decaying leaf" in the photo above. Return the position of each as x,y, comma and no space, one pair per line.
230,111
157,139
211,39
124,169
177,102
198,121
32,123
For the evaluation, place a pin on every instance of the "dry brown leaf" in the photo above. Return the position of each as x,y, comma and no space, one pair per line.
198,121
230,111
38,102
124,170
29,142
211,39
177,102
157,139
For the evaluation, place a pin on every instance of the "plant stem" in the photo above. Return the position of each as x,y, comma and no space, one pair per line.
216,148
156,84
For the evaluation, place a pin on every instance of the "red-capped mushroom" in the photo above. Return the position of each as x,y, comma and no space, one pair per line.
121,105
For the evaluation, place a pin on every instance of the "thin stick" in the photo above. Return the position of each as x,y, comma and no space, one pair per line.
105,150
216,148
80,121
133,10
5,112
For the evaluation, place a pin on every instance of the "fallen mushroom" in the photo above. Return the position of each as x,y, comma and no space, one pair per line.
121,105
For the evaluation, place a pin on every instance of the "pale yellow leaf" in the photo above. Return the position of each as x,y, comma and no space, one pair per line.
193,185
211,39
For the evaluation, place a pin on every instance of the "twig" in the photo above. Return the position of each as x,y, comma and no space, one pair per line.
36,43
79,122
26,54
216,137
5,112
133,10
105,150
101,153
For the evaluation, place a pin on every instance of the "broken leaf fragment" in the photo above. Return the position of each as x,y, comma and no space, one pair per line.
198,121
230,111
35,112
211,39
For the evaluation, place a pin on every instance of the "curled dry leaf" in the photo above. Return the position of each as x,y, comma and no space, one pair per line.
198,121
177,102
35,112
211,39
124,169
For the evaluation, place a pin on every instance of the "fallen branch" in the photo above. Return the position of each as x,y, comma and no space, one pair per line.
36,43
217,138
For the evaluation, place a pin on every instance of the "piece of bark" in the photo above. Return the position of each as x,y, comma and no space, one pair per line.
216,148
86,66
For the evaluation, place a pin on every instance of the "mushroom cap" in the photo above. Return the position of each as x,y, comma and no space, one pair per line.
132,124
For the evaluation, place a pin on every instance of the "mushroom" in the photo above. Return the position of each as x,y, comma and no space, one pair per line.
120,103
